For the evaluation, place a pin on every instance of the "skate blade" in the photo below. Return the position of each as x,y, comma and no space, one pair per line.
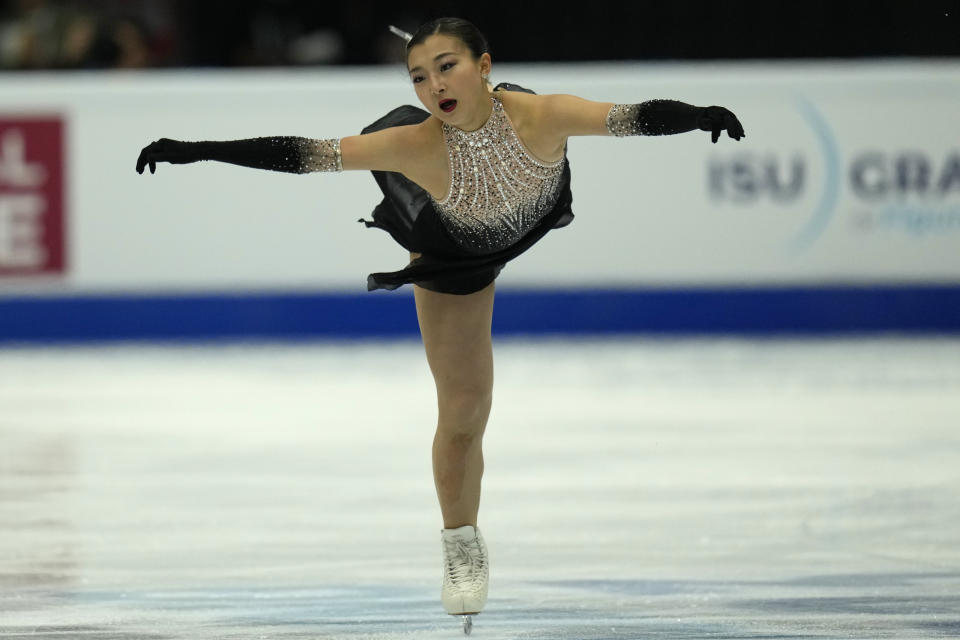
467,619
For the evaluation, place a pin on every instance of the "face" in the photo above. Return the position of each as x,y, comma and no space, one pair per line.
443,72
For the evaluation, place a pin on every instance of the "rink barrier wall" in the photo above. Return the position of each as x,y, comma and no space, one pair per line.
811,224
532,313
813,194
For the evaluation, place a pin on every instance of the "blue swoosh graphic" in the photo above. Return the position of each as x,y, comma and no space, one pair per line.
831,188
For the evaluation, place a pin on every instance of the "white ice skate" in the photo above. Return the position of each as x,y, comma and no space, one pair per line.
466,573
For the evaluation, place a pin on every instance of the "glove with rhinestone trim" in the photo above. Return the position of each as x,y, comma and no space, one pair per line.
667,117
283,153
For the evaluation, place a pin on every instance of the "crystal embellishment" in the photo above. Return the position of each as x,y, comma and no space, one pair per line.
498,190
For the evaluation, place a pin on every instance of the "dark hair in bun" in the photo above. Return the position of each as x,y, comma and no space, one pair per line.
458,28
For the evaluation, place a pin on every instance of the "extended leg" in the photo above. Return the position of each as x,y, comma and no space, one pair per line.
456,337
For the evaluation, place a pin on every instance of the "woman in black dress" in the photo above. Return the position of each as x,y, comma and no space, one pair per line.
469,184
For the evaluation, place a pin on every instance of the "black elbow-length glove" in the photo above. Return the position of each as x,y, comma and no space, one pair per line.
666,117
283,153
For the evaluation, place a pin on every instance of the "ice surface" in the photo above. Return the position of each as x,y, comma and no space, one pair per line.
633,489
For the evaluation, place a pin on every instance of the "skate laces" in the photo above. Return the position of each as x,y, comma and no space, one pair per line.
465,562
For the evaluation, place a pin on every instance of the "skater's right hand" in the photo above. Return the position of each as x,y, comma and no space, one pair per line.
167,150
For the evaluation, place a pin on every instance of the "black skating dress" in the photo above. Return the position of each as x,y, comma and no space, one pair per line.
501,202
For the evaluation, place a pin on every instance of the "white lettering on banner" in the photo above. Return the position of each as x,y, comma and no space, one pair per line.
21,230
31,197
14,170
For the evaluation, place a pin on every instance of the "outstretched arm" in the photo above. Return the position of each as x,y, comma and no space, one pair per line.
574,116
282,153
381,150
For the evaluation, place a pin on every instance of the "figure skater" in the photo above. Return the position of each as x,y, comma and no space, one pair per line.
469,184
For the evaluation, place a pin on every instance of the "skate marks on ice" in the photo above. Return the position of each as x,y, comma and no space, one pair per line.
329,612
559,610
690,489
835,606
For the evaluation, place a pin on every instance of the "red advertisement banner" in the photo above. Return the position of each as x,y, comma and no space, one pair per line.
32,216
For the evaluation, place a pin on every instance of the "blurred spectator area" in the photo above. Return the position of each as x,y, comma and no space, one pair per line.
84,34
42,34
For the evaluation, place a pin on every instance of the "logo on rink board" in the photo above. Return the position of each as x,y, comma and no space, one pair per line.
31,196
915,191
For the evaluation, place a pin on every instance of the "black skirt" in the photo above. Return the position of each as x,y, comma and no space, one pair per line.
408,215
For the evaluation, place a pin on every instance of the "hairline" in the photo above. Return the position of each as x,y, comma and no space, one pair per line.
435,58
464,49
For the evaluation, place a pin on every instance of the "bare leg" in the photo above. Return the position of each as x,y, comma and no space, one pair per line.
456,337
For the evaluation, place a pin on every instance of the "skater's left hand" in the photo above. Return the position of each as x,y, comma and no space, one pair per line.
717,119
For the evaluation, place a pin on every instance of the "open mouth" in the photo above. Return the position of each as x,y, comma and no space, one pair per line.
448,105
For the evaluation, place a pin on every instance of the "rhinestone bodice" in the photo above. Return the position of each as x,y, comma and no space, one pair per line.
498,189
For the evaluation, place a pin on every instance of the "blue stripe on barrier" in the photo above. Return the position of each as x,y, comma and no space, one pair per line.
251,316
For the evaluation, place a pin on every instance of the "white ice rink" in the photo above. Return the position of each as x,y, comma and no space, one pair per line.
633,489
